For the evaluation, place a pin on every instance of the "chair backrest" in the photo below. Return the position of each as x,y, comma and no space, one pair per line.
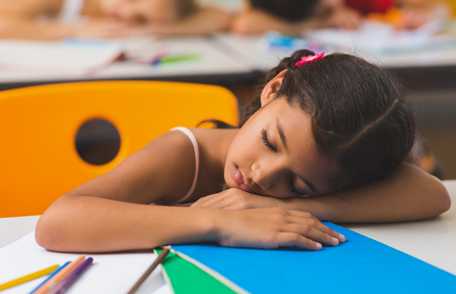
39,158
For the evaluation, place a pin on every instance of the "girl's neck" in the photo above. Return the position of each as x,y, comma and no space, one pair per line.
214,145
221,147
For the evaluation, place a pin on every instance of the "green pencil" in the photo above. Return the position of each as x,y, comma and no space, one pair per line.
175,58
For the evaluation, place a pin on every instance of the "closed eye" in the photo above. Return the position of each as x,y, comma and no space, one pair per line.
266,142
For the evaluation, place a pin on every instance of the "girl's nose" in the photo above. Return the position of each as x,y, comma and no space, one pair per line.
267,172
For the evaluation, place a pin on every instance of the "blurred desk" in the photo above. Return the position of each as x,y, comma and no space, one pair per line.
419,70
213,66
231,60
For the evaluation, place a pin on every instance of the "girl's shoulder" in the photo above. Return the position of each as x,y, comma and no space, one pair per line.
161,172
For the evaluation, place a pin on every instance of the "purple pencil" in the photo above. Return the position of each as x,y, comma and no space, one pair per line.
72,277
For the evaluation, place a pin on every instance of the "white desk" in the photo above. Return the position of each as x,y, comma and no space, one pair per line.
225,59
433,241
264,57
212,62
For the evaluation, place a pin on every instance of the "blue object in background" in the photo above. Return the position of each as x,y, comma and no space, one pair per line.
281,41
360,265
284,42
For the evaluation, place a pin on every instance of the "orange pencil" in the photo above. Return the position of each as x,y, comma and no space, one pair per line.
60,276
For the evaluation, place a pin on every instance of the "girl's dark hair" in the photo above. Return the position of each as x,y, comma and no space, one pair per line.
358,117
290,10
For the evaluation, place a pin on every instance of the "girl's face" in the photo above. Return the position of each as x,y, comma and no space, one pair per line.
275,154
136,10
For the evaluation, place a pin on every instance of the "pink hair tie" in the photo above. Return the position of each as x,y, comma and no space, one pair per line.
309,59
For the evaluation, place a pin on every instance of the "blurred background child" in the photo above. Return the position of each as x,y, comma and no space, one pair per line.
53,19
293,16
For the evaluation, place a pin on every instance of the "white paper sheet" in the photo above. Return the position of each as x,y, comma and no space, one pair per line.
110,273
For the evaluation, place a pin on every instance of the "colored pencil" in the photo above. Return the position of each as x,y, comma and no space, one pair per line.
50,277
61,275
169,59
72,277
29,277
151,268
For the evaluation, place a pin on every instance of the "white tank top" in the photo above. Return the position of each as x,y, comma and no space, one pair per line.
71,10
194,142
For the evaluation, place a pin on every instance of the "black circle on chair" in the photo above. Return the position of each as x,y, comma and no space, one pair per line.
97,141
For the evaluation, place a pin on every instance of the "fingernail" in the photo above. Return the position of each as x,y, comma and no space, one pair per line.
342,237
318,245
335,241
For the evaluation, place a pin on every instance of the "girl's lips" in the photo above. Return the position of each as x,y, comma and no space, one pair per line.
240,181
238,178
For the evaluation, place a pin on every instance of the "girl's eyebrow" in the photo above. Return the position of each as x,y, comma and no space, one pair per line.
283,139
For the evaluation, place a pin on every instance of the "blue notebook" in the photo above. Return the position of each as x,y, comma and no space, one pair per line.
360,265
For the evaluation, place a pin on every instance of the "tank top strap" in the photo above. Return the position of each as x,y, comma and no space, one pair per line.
194,142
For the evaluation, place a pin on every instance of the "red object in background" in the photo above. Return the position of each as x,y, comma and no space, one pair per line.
370,6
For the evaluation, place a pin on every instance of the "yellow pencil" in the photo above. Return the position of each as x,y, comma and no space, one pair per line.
29,277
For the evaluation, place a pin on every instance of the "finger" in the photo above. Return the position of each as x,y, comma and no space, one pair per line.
202,201
209,201
322,237
331,232
312,233
233,205
299,216
288,239
300,213
219,203
230,203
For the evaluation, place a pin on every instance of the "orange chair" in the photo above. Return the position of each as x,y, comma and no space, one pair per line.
38,154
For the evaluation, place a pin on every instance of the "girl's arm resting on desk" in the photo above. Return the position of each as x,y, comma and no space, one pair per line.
54,30
91,224
112,211
30,29
410,194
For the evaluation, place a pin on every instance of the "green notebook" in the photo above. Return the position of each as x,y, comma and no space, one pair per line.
185,277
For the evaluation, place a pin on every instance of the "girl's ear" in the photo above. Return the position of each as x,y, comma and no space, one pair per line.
270,90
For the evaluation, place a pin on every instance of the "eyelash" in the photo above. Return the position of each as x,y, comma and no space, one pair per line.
266,142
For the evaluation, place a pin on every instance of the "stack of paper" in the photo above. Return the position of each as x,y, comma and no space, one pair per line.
361,265
185,277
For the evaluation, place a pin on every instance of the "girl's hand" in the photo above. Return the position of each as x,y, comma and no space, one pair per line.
236,199
273,228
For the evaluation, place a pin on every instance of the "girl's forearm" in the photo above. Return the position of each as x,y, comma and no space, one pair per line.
91,224
35,30
409,195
